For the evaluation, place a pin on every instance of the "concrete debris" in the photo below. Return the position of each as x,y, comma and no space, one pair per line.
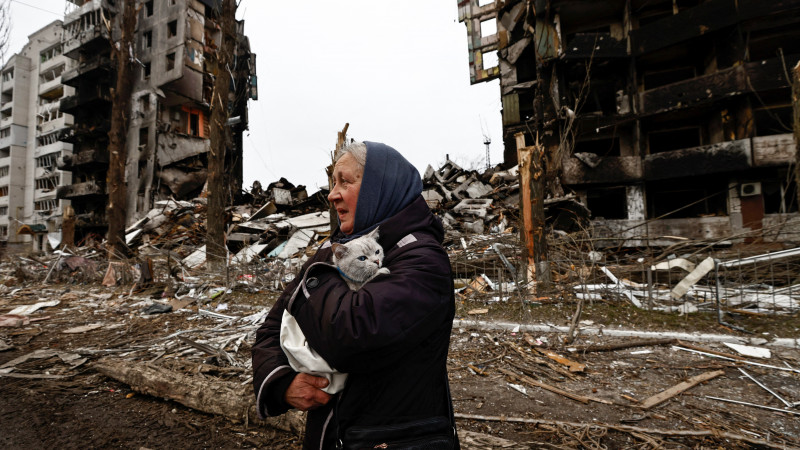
270,232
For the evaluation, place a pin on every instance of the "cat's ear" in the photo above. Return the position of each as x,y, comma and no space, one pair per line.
339,250
374,233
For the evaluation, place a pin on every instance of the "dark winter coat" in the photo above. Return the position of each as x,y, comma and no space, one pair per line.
391,336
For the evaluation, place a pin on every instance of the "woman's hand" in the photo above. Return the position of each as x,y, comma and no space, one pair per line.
305,392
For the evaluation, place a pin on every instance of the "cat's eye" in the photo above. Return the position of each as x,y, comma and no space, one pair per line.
362,258
377,252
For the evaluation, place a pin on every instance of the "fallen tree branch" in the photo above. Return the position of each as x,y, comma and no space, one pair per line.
227,399
624,345
530,381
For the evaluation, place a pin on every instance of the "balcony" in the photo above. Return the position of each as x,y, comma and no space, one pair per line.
85,132
84,30
732,156
51,89
639,233
775,150
86,97
98,67
605,170
86,159
58,146
56,124
85,189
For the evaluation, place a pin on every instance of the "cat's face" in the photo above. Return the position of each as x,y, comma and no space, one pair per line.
360,258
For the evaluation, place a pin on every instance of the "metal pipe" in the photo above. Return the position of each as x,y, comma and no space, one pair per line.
788,405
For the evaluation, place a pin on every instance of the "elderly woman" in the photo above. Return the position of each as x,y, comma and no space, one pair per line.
391,336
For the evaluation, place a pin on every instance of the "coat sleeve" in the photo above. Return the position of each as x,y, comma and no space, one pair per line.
376,326
272,373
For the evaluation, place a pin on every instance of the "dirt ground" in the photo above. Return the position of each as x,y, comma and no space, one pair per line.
76,407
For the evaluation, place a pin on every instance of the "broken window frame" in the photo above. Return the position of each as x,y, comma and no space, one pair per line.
50,53
45,205
48,183
146,70
172,29
200,126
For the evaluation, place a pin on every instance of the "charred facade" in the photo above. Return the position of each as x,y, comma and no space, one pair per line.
168,131
666,117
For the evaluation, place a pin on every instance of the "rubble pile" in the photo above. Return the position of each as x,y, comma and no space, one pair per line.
271,232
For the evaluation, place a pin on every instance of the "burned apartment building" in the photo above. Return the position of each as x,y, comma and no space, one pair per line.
30,123
670,119
168,135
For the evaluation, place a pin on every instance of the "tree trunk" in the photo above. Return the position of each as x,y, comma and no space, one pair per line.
120,110
796,103
216,251
228,399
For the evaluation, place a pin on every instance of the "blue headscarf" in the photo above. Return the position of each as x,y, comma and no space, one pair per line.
389,184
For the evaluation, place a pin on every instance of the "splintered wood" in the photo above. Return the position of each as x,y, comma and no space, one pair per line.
679,388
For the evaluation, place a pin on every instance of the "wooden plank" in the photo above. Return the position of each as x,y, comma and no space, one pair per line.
679,388
572,365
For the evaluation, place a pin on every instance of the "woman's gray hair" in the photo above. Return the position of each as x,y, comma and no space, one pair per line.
355,148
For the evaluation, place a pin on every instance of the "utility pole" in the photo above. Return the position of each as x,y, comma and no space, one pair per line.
121,54
216,250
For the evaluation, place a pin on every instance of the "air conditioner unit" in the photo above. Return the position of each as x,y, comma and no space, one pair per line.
749,189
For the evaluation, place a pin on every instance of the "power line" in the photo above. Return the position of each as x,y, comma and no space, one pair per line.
36,7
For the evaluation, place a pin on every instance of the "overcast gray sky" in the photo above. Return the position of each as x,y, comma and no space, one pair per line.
396,71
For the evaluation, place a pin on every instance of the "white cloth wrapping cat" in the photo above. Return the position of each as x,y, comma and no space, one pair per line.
358,262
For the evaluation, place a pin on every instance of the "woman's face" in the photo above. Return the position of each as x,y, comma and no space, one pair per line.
344,195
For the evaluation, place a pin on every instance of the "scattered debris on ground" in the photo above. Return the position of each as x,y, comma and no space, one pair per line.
160,323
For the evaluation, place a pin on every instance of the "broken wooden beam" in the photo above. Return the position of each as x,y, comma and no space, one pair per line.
530,381
625,345
679,388
230,400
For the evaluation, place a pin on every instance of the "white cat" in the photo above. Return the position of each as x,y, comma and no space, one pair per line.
358,262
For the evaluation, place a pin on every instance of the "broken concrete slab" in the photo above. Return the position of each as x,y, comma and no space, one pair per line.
249,253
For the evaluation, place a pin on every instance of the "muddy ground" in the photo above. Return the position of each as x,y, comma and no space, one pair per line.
61,401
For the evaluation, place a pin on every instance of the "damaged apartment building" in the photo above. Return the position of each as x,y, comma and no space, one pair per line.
670,119
31,122
168,135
